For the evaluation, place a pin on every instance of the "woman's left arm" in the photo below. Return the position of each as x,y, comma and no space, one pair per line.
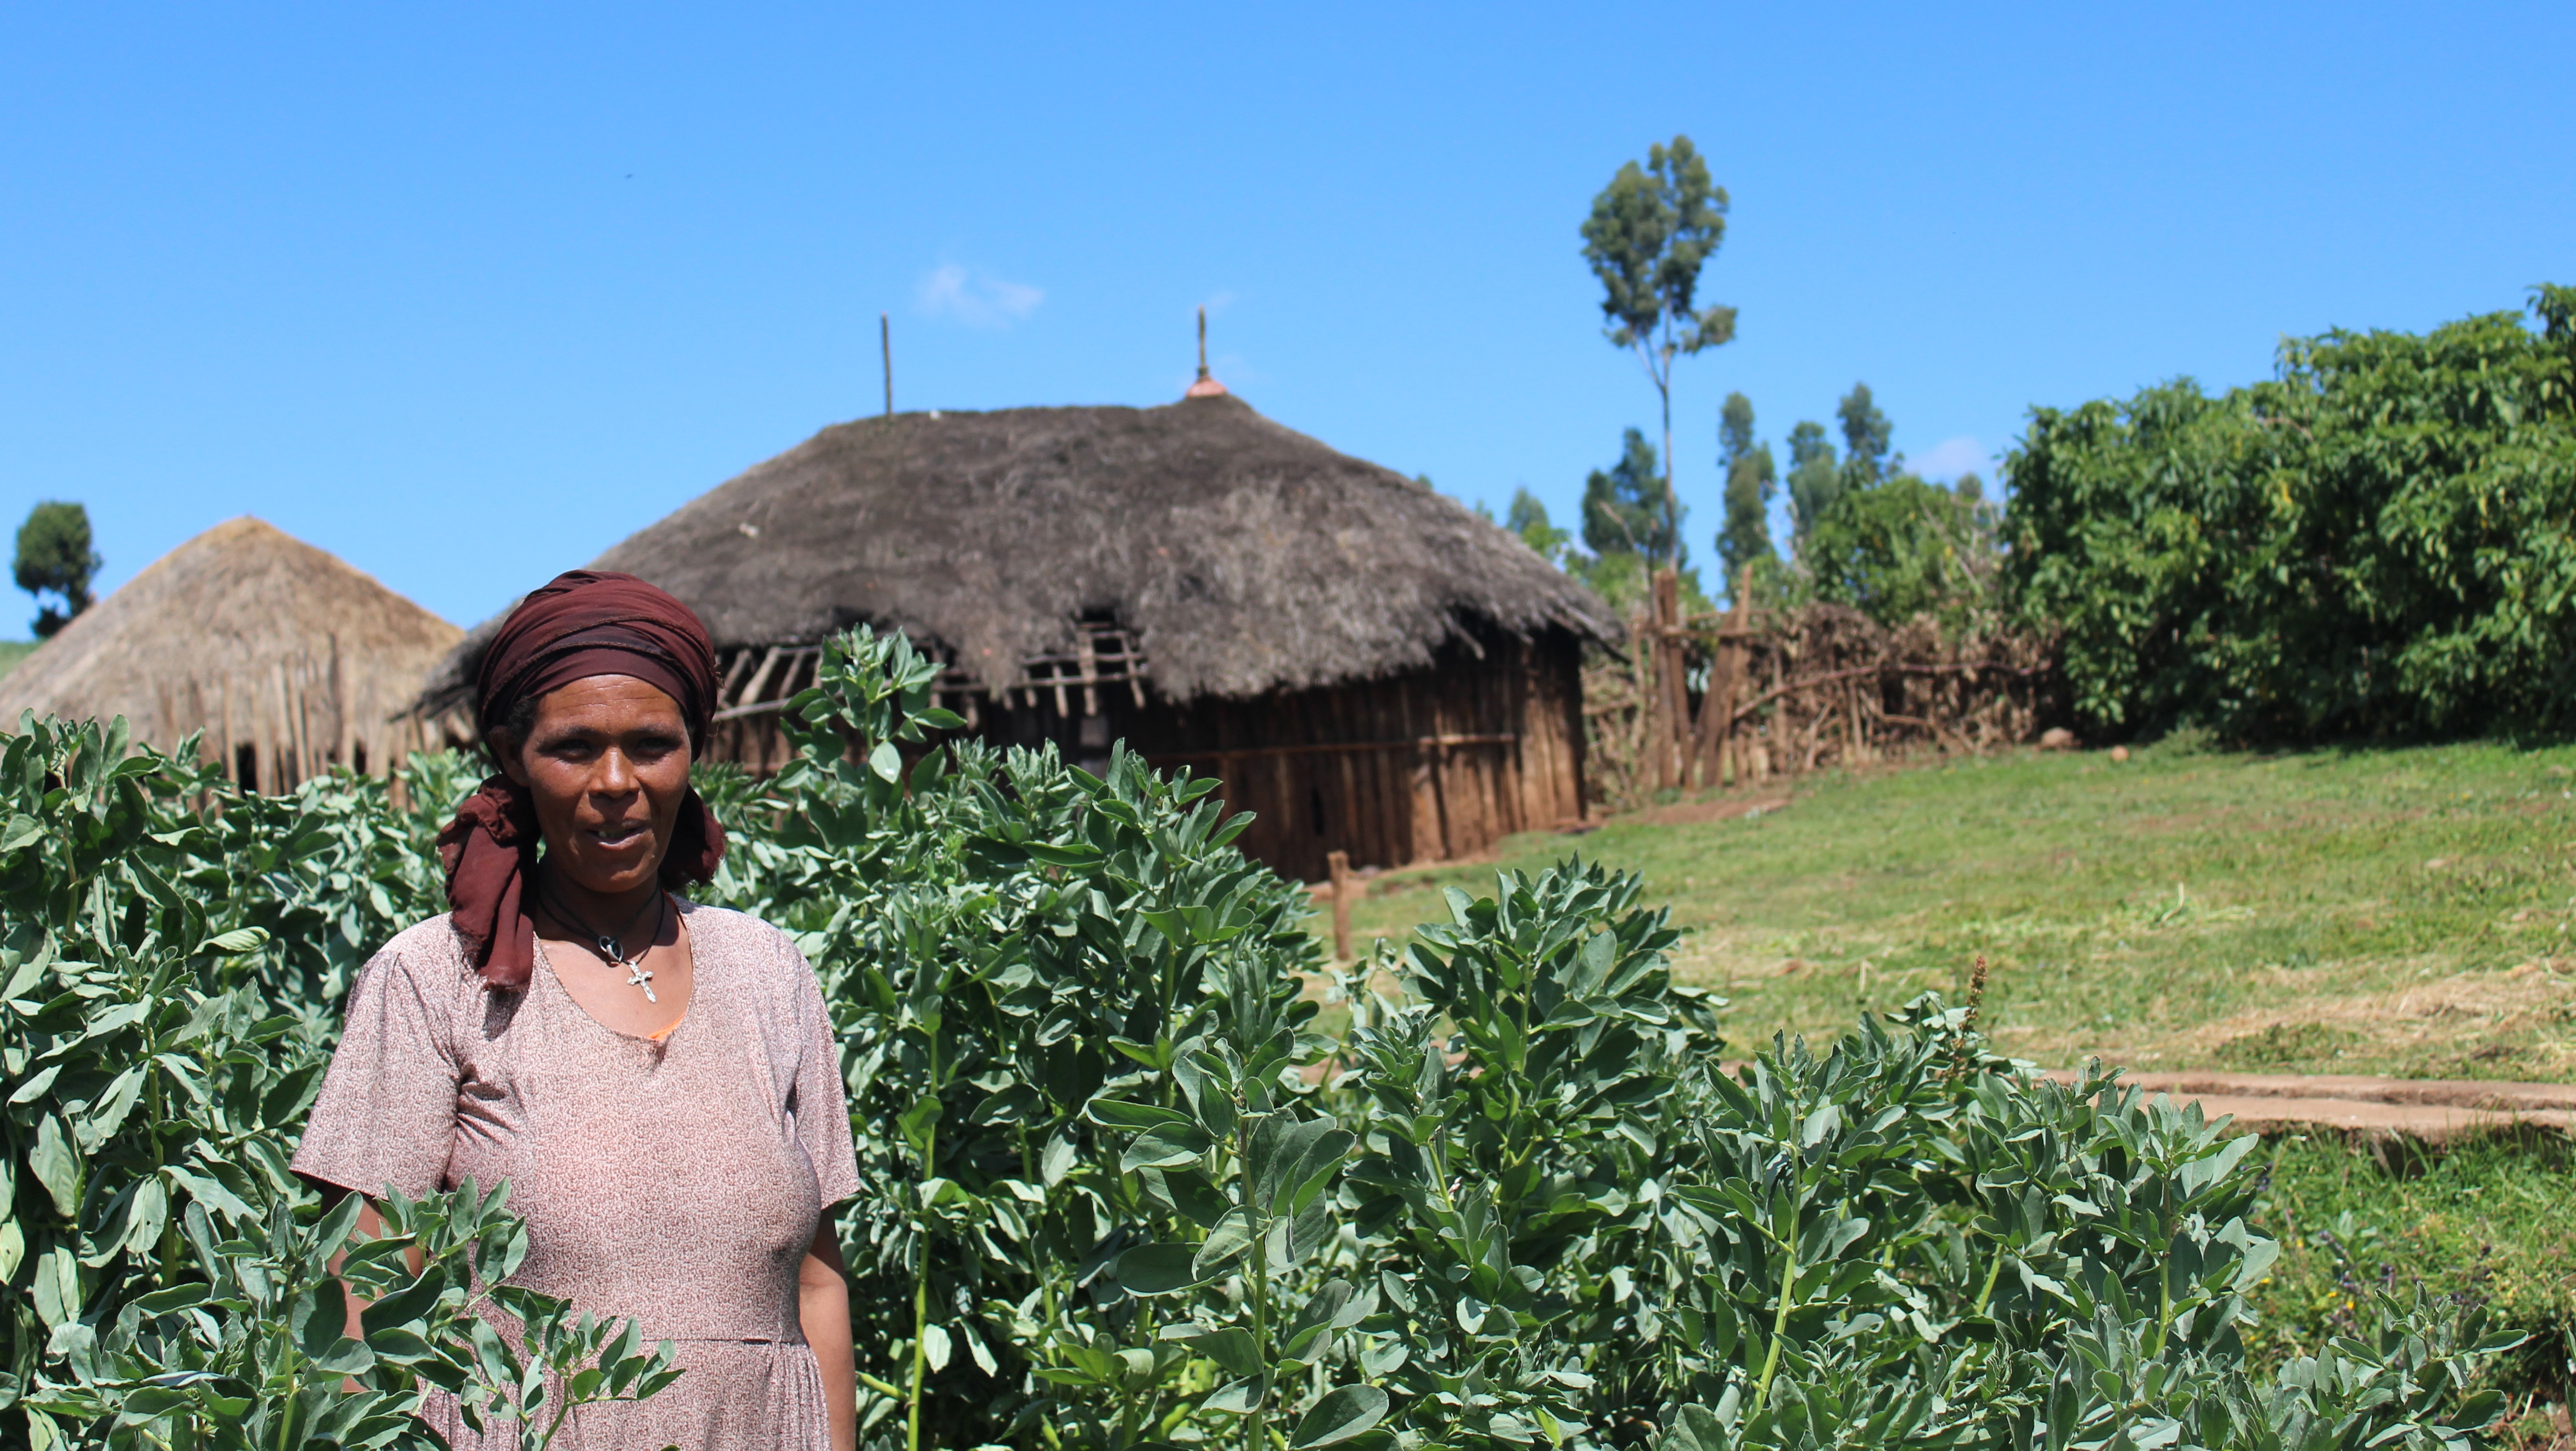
823,1311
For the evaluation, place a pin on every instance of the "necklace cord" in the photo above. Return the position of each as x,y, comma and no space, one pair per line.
611,949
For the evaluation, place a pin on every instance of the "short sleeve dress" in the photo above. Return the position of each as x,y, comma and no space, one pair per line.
677,1182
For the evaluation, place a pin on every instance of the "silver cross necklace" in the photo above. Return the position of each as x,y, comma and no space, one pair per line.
610,946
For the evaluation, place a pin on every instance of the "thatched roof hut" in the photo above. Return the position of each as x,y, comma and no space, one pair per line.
1209,585
289,660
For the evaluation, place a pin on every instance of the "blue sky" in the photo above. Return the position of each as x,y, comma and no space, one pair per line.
467,296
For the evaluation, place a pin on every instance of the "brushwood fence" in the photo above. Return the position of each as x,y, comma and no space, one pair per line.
1707,701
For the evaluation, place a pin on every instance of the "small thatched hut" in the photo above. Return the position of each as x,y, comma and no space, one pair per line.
289,660
1366,664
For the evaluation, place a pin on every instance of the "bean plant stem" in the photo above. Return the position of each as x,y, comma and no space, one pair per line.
1253,1439
2164,1272
1994,1272
1788,1294
160,1156
921,1274
1029,1175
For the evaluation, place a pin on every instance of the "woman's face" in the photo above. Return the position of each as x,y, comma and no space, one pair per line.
608,763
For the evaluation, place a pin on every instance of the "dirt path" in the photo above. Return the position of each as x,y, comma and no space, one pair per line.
2429,1111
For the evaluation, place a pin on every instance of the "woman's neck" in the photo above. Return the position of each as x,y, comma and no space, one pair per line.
589,913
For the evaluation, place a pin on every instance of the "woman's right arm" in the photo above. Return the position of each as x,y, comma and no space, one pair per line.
387,1110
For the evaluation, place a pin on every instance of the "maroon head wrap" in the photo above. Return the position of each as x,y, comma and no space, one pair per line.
582,624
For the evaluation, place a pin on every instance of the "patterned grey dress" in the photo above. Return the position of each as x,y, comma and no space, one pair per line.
675,1181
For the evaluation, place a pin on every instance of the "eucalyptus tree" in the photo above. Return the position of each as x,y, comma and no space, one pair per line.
1814,480
1626,509
1528,519
1651,231
1752,479
1866,436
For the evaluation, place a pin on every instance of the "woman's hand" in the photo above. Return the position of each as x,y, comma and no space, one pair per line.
823,1311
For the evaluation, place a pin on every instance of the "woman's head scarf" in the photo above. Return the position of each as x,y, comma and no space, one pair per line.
580,625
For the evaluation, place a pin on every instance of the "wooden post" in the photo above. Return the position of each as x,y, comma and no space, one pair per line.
1672,698
885,348
1342,884
1717,708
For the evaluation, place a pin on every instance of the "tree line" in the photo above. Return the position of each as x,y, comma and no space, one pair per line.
2378,541
1865,530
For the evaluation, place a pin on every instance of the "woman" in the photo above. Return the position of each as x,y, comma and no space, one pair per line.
657,1080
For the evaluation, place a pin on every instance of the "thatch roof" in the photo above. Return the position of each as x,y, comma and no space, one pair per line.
1247,556
254,637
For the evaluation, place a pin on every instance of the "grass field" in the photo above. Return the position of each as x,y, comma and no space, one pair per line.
2493,1223
2399,911
13,651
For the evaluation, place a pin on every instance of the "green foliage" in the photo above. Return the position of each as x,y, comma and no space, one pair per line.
255,1353
1866,433
1624,580
1106,1173
2491,1220
1876,537
1903,547
2382,540
1899,1249
1651,231
164,1035
1815,481
1119,1192
55,557
1528,519
1624,508
1752,479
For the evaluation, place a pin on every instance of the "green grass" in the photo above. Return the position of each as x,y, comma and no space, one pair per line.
2396,911
2494,1223
13,651
2401,911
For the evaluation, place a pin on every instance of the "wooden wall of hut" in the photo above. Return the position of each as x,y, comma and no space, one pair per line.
1424,766
305,714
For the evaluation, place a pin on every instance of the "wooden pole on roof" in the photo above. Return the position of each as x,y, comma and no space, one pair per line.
885,348
1203,372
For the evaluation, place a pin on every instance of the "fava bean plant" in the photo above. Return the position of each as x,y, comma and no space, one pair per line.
1121,1191
172,981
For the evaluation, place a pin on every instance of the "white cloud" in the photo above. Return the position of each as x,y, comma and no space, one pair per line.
975,298
1952,457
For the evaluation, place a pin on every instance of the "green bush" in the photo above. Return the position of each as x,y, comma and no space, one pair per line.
2380,541
1120,1193
1902,547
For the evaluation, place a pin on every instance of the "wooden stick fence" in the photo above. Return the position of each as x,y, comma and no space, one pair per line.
1735,699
